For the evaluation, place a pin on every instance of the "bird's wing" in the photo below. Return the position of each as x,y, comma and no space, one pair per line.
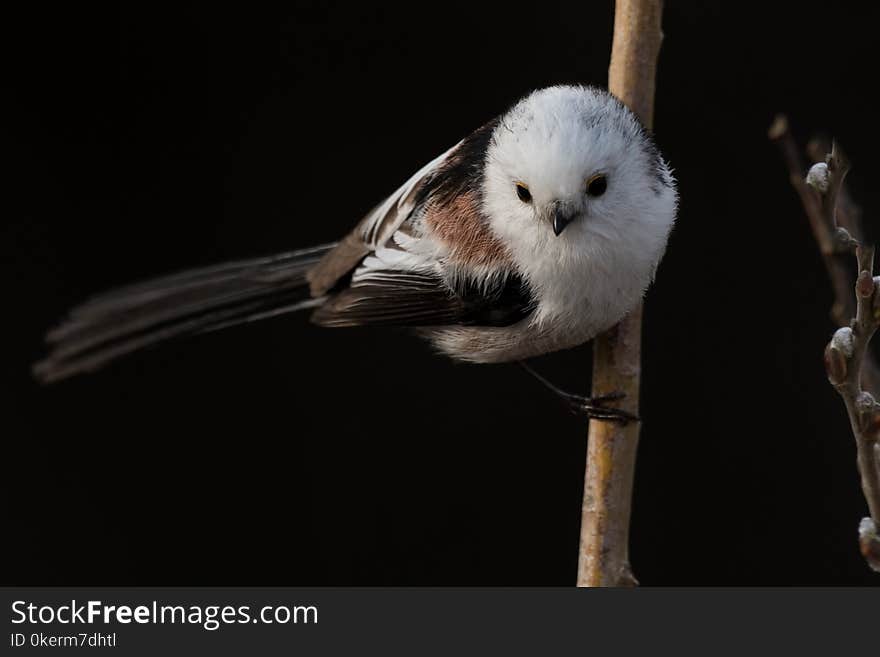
425,256
398,287
374,229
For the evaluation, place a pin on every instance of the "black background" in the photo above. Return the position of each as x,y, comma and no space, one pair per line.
147,139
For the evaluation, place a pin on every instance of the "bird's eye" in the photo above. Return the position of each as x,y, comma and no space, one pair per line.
597,185
523,192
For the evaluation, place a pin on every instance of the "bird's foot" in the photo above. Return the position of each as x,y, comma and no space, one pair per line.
592,407
595,409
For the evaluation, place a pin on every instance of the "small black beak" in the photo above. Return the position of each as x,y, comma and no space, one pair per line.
560,220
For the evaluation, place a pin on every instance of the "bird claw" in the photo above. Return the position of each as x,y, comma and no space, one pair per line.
593,407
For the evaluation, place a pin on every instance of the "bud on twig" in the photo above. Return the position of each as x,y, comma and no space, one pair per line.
817,177
844,240
865,402
835,364
844,340
865,285
869,543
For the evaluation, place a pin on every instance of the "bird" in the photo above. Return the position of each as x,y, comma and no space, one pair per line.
536,232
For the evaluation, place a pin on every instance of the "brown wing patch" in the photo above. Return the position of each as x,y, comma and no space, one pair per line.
464,230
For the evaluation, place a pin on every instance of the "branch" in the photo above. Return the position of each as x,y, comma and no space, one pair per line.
823,231
603,559
847,358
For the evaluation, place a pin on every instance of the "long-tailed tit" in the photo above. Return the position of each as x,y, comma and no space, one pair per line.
536,232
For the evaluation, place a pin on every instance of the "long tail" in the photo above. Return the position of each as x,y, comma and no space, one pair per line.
130,318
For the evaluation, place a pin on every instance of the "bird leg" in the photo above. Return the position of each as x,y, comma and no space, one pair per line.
592,407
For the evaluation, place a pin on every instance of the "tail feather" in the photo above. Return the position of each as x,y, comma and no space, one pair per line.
121,321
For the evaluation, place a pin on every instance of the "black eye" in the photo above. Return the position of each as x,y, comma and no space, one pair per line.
597,185
523,192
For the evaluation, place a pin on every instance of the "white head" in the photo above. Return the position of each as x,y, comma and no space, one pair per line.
573,182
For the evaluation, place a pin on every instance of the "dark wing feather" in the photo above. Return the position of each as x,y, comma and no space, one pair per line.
392,298
417,299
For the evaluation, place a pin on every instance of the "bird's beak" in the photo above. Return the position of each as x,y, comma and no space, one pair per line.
561,219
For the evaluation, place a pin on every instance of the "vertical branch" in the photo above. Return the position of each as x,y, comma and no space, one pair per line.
611,453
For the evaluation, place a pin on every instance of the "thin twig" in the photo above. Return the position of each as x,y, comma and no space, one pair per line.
847,358
611,452
823,232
